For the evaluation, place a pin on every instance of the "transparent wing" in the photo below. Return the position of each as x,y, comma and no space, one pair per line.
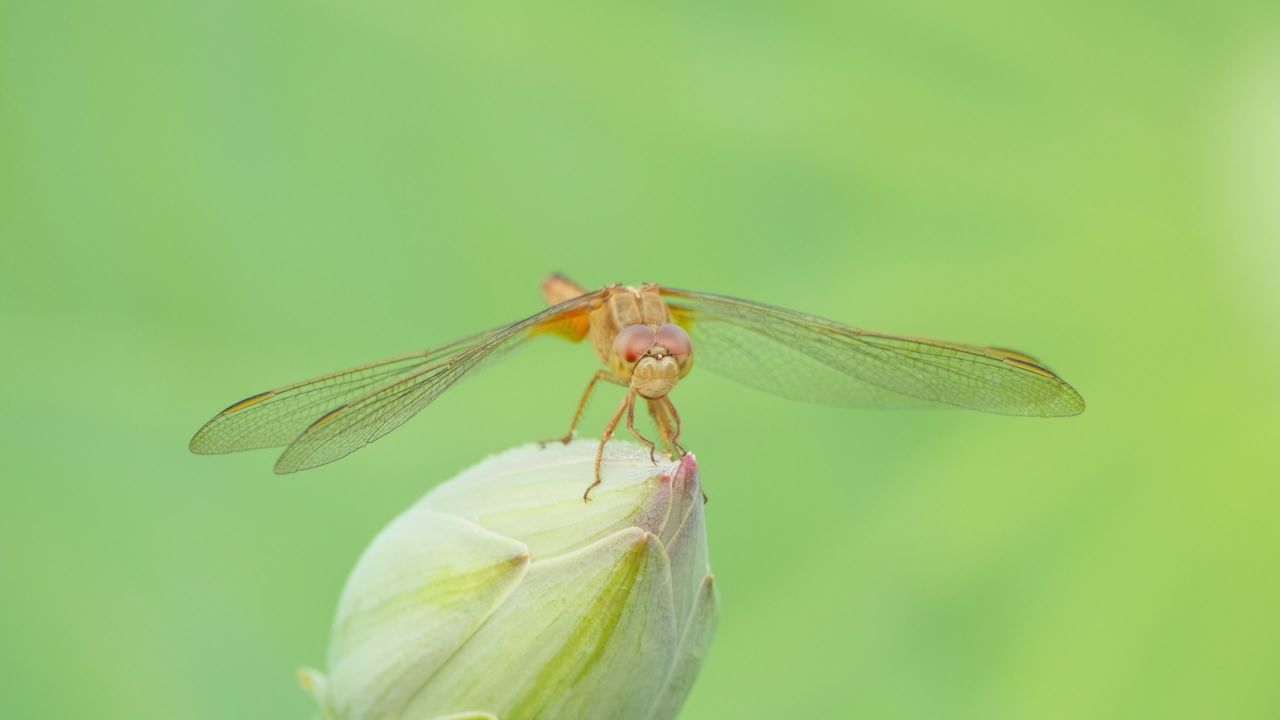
809,358
274,418
328,417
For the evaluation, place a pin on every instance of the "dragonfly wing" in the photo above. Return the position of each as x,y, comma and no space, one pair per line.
274,418
809,358
358,422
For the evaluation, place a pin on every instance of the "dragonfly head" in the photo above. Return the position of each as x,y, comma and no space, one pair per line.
659,358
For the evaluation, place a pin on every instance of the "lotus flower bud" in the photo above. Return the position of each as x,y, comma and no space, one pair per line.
500,594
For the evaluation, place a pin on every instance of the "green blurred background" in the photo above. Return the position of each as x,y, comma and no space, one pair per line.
202,200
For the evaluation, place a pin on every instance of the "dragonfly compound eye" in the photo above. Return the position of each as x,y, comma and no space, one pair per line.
633,342
674,339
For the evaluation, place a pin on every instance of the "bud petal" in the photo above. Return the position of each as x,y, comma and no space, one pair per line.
535,495
693,648
685,538
420,590
597,625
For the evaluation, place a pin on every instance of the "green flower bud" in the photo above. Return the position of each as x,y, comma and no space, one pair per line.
500,594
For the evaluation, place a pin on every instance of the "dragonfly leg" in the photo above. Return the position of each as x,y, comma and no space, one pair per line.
604,438
582,405
660,420
675,436
631,425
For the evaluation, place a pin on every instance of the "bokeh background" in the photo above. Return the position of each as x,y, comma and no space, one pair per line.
199,201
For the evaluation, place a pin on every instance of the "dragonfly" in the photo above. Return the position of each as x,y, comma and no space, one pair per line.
645,337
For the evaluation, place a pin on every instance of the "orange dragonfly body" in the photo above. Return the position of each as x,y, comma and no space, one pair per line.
647,337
